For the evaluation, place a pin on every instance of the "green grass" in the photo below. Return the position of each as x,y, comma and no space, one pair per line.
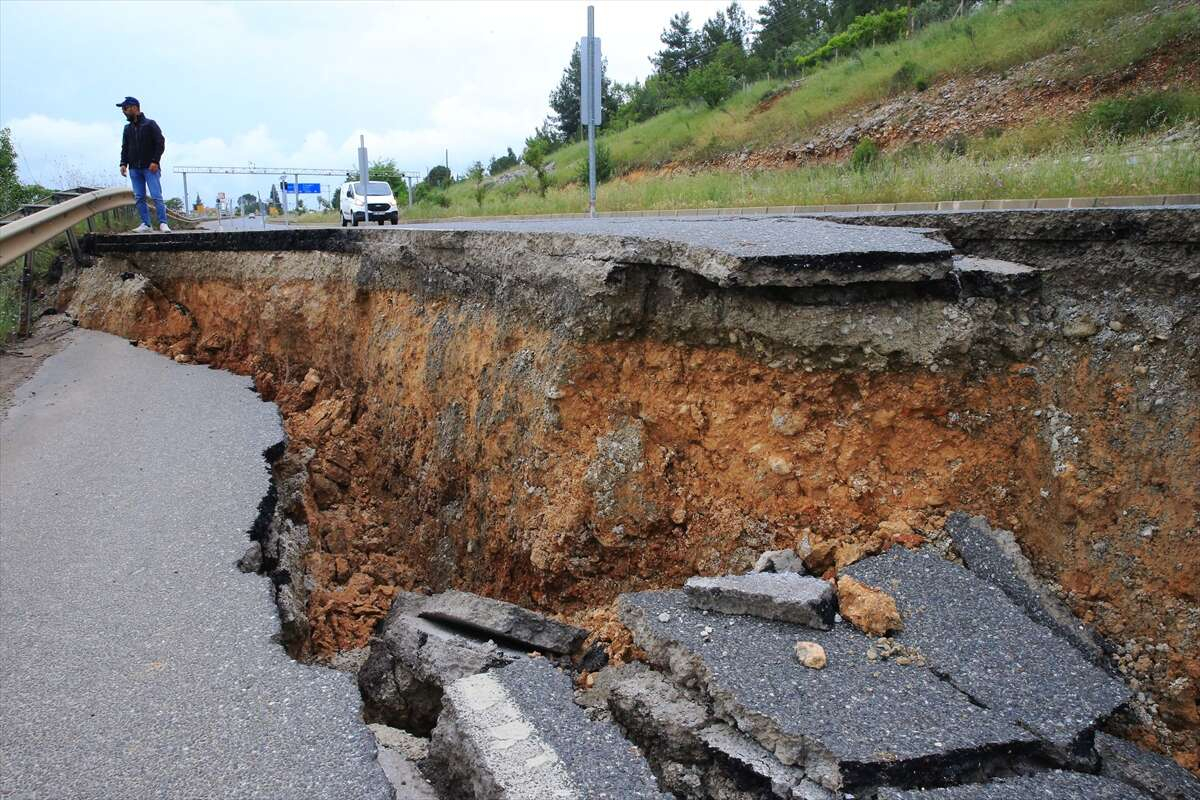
1111,167
991,41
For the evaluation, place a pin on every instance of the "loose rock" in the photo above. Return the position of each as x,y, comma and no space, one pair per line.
779,561
811,655
869,609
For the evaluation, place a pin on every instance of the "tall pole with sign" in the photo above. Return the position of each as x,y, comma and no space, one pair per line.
362,175
591,87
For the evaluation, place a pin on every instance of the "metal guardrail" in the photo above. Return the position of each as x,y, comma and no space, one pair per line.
21,236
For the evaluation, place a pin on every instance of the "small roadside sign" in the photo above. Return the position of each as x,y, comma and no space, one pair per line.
590,112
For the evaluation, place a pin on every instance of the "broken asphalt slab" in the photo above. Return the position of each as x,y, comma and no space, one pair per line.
504,620
762,251
138,662
974,637
785,596
427,642
516,733
1158,776
856,722
994,555
1046,786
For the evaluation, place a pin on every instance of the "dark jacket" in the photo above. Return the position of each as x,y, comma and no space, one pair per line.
142,143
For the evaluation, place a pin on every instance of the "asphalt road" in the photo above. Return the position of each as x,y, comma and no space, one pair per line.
135,660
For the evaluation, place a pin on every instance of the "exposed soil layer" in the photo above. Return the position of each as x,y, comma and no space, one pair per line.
452,423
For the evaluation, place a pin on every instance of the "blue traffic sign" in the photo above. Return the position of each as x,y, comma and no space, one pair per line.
305,188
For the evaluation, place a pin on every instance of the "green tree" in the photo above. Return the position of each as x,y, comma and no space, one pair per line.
439,177
272,203
175,204
730,26
782,22
564,100
502,163
475,174
248,202
711,83
13,193
536,148
682,50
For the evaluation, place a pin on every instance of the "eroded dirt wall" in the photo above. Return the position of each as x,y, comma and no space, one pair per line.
448,442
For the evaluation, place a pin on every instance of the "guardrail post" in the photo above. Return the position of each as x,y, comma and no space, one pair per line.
26,290
73,243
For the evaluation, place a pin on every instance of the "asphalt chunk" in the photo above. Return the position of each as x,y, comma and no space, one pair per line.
785,596
988,648
516,733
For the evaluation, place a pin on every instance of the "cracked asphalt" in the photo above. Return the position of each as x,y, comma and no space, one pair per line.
137,661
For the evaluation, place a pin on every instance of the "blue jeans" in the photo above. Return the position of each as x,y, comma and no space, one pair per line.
141,178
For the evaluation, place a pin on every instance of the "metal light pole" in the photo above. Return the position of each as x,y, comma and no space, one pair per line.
187,199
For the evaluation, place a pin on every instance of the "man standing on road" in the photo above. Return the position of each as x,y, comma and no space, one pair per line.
142,146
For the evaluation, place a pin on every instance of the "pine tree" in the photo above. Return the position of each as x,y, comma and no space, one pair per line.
683,48
565,98
783,22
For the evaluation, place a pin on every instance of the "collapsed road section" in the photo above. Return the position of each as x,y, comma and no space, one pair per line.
555,413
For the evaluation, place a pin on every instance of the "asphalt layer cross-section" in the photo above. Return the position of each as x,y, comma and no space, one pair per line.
135,660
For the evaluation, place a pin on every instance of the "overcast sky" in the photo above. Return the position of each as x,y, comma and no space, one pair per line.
295,83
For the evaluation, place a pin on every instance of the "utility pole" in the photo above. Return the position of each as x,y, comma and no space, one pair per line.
187,203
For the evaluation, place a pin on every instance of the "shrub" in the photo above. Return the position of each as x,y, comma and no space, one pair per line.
710,83
1129,116
954,145
864,31
866,153
909,76
604,166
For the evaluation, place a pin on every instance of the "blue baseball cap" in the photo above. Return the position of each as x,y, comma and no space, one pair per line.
129,101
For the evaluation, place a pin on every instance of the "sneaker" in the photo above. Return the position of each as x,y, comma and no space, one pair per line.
143,228
162,226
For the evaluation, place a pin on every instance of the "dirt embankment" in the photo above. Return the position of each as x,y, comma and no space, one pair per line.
554,443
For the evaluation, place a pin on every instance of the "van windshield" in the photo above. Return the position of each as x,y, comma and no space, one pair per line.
378,187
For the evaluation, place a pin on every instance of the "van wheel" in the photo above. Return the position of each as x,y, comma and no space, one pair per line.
354,221
344,223
381,223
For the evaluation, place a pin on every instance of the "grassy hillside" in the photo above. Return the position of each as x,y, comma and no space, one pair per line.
1056,143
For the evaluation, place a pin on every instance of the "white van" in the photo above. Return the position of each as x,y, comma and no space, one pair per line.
379,206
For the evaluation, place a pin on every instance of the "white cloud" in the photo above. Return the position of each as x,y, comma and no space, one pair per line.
280,84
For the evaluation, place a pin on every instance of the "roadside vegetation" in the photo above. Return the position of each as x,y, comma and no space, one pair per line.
808,66
726,87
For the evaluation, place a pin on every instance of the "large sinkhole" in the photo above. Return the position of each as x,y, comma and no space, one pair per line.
515,442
